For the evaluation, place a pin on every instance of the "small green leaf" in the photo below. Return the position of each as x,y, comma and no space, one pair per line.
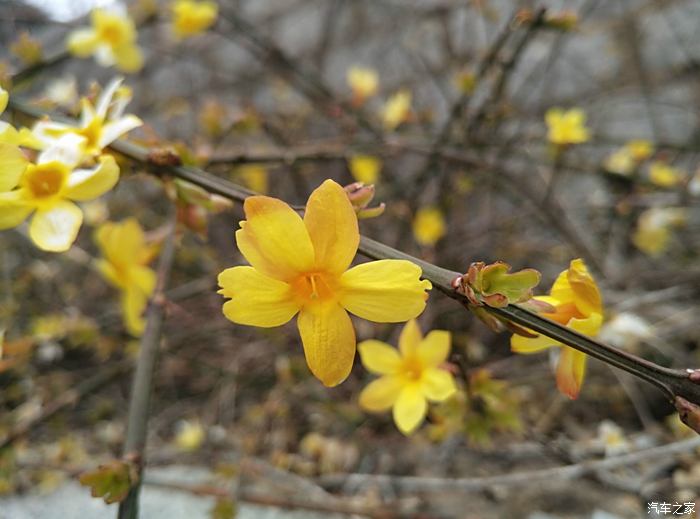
516,287
111,481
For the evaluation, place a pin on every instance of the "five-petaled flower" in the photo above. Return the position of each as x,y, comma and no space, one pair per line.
191,18
566,126
112,40
577,304
100,125
410,376
301,266
124,265
49,189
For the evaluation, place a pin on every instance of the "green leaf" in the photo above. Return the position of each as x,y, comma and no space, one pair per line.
111,481
516,287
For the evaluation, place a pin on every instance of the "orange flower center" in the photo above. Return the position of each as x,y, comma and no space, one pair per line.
45,180
314,286
564,313
112,33
412,369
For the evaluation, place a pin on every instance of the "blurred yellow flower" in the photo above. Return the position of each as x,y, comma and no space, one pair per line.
190,435
429,226
566,126
111,39
578,305
654,226
397,109
664,175
301,266
99,126
626,159
410,376
254,176
9,134
365,168
364,83
191,18
49,189
124,265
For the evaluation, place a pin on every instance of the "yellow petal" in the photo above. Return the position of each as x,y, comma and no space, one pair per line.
587,295
520,344
82,43
143,278
378,357
365,168
13,209
435,348
429,226
121,242
588,326
385,291
134,304
115,129
4,97
410,338
380,394
332,225
410,409
111,274
437,385
86,184
257,300
55,229
570,371
128,58
329,341
12,164
274,239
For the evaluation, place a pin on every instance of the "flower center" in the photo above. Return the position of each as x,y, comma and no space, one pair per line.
112,33
314,286
412,369
92,132
45,180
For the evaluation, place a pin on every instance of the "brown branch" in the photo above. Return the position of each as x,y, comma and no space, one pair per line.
139,406
407,484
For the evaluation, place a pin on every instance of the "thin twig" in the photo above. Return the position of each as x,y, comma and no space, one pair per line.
567,472
139,406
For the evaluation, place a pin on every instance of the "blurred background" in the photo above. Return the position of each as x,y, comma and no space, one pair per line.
454,138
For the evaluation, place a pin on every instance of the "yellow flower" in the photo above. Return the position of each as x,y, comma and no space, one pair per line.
111,39
8,133
578,305
429,226
397,109
566,127
653,231
193,17
254,176
410,376
364,83
125,256
664,175
99,126
48,189
365,168
301,266
640,149
190,436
